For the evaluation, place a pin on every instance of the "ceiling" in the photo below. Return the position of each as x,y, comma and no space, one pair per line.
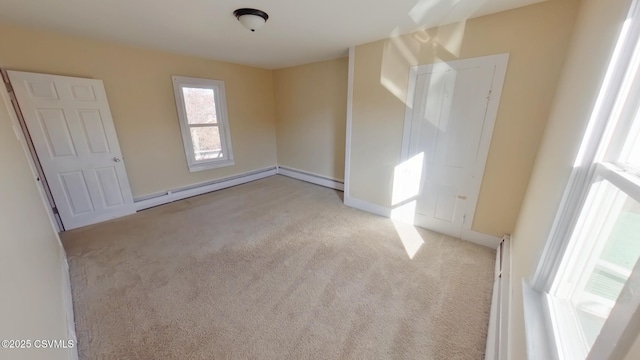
298,31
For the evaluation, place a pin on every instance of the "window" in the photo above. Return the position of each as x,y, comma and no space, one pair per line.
202,111
589,271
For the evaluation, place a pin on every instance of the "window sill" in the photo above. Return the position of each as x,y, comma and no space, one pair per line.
210,165
539,346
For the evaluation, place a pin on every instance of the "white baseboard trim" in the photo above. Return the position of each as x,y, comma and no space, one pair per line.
467,235
475,237
367,206
311,178
150,201
498,332
67,300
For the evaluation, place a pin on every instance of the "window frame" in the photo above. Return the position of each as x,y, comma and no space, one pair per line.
561,314
615,110
180,82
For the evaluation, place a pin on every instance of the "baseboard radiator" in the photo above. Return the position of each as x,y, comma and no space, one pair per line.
149,201
497,335
166,197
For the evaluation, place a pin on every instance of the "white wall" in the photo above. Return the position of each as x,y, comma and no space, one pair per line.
31,256
597,27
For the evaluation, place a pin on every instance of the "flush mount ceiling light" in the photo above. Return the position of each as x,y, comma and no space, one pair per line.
252,19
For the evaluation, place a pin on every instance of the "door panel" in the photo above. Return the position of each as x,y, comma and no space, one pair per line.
75,188
55,131
70,124
95,136
109,186
82,93
445,207
448,124
42,89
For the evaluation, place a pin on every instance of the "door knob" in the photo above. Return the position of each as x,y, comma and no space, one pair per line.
117,159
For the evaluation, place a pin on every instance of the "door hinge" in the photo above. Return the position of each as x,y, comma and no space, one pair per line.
464,218
489,95
55,210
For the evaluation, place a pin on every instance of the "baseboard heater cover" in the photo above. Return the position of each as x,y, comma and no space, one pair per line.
498,332
149,201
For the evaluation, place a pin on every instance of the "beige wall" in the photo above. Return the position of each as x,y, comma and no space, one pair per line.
536,36
140,92
31,256
311,108
596,30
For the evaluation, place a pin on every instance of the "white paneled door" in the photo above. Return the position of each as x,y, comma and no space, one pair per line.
448,129
72,130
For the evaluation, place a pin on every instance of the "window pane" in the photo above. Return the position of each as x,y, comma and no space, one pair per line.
206,143
200,105
616,251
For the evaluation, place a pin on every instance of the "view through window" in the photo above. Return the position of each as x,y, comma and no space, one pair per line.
201,107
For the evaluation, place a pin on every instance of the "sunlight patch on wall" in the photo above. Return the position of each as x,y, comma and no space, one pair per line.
398,55
401,52
422,36
450,37
407,178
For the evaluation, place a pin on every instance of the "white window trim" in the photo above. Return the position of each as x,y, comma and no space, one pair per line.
623,324
222,122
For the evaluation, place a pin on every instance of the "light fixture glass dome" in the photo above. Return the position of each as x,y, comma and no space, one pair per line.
251,22
252,19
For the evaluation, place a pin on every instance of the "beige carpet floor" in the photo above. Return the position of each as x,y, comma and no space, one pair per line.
274,269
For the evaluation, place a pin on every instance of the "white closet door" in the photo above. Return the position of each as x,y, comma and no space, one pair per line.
450,128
